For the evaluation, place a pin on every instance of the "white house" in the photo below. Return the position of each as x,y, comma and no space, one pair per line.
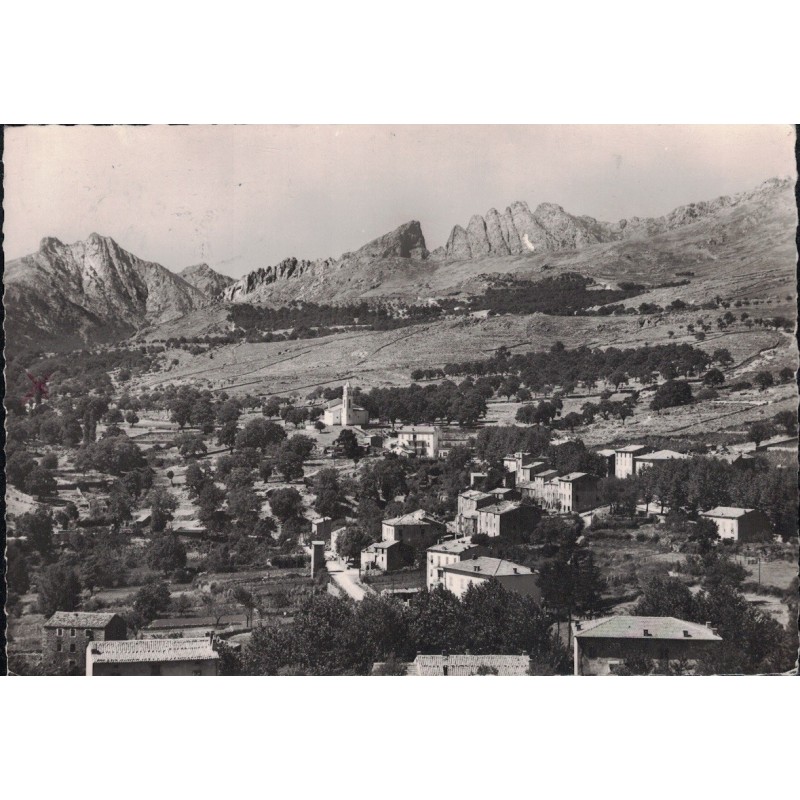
740,524
624,465
446,553
419,440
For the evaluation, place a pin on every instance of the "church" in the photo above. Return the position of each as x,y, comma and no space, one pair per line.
343,412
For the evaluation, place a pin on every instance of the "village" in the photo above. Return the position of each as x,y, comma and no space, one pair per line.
207,537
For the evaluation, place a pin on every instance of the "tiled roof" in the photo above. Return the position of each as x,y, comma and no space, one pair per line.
459,665
453,546
414,518
383,545
728,512
153,650
627,627
474,494
661,455
574,476
79,619
632,448
417,429
501,508
547,474
606,452
491,567
195,622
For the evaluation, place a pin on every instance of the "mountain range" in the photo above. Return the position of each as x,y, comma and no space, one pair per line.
65,296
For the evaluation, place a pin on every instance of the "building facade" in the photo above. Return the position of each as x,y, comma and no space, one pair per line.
418,440
578,492
507,518
604,646
416,529
624,465
658,457
66,634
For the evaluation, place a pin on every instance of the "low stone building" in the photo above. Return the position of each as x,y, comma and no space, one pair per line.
467,515
464,664
740,524
66,634
386,556
603,646
153,657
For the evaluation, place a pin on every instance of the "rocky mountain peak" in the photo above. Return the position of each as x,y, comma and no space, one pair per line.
406,241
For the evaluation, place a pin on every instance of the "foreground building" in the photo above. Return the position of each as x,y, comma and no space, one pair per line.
602,646
740,524
66,634
458,664
153,657
458,577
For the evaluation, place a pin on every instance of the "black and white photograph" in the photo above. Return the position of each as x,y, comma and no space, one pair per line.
401,400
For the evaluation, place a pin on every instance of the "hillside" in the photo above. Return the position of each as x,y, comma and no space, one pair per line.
65,296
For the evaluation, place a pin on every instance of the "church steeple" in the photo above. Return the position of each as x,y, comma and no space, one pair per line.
345,400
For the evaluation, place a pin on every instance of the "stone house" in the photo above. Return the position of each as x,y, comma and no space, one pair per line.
66,634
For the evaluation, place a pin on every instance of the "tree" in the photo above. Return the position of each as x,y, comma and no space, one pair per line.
351,542
151,600
17,577
226,435
787,420
244,505
166,553
202,415
764,380
59,589
328,492
131,417
714,377
196,478
37,526
190,445
758,432
40,482
672,393
722,356
289,464
347,443
113,416
572,420
49,461
260,434
704,534
162,503
286,503
265,469
247,601
181,411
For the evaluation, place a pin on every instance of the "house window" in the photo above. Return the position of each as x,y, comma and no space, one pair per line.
88,633
71,663
613,667
72,648
58,647
72,631
59,631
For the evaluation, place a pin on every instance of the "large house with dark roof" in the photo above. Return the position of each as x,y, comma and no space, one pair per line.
603,646
66,634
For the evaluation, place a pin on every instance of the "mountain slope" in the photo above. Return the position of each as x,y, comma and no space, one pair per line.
208,281
66,296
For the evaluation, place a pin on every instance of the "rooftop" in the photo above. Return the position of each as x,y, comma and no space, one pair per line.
196,649
79,619
379,546
606,452
632,448
661,455
575,476
504,507
628,627
474,494
728,512
413,518
547,474
452,546
459,664
417,429
491,567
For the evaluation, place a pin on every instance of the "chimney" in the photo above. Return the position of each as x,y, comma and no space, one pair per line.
577,626
647,632
708,624
515,570
687,635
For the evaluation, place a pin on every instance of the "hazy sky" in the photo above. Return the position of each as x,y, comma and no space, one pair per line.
241,197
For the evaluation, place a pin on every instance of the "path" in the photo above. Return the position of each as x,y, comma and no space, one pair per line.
347,579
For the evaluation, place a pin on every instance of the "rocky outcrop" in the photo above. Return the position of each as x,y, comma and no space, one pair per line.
69,295
208,281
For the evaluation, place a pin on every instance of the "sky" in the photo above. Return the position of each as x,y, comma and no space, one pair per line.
243,197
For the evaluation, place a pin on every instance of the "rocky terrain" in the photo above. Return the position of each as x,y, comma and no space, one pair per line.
207,280
740,246
65,296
